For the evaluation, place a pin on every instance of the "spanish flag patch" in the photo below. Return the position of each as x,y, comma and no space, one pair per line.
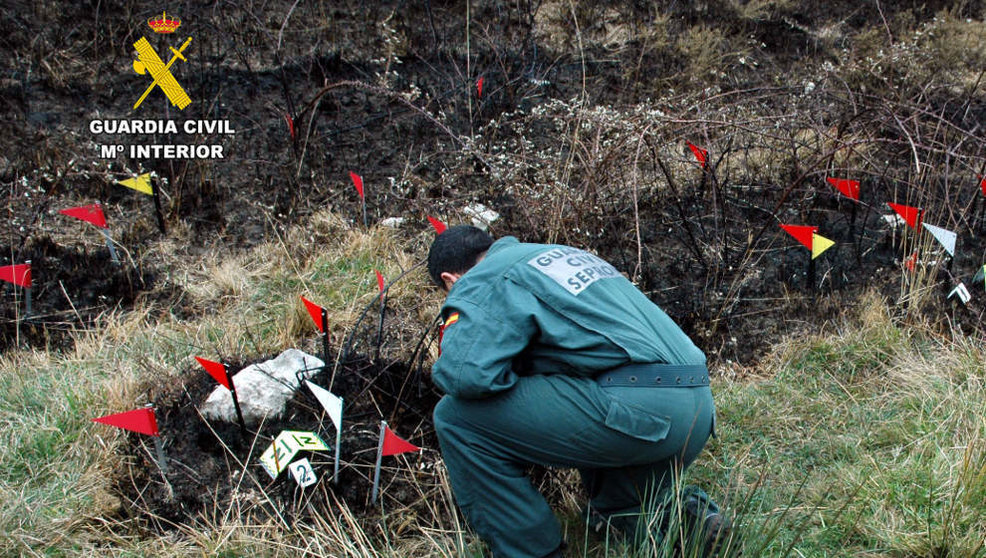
454,317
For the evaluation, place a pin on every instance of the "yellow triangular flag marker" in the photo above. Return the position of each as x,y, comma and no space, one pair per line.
819,244
140,183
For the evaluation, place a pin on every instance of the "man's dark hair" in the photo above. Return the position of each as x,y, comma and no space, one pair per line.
456,251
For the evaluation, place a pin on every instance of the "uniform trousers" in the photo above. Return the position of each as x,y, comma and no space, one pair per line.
625,441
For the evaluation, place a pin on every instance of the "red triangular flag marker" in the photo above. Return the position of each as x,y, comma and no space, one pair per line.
380,283
700,154
479,87
802,233
849,188
215,369
357,182
394,444
139,420
88,213
438,225
911,262
982,183
315,311
19,274
911,215
290,121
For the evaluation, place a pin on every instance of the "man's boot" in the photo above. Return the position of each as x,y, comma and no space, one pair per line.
704,515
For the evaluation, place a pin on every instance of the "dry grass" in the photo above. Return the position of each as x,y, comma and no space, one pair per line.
881,421
867,440
919,392
57,464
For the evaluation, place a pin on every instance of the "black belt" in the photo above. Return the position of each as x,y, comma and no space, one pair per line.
655,375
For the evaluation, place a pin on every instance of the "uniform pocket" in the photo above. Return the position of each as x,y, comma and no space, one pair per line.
636,422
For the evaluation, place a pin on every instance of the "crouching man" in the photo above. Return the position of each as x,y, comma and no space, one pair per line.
550,356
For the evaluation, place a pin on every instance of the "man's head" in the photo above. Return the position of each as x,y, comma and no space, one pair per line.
454,252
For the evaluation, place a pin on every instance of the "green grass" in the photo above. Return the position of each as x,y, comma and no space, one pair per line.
55,464
884,427
47,462
865,442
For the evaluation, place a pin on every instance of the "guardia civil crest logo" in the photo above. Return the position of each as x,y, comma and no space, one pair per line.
151,64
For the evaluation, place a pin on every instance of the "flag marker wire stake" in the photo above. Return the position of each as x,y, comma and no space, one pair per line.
236,400
109,244
358,184
811,273
325,336
27,295
376,469
162,459
335,469
157,208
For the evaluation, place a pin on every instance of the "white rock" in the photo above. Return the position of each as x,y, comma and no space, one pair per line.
481,216
894,220
392,222
263,389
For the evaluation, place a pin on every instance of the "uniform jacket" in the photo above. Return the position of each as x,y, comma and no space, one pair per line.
548,309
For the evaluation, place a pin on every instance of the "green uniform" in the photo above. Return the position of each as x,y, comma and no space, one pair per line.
525,332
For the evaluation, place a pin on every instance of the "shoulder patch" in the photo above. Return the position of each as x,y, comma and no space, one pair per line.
572,268
454,317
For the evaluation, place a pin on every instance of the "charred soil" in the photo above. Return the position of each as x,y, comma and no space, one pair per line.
390,90
213,466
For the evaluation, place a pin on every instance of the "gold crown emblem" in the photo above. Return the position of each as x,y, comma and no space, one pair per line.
163,23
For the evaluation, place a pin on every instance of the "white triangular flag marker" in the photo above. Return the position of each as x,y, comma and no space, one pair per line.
963,293
333,406
331,402
944,236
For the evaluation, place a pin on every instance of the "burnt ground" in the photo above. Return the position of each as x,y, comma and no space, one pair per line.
81,283
387,89
205,458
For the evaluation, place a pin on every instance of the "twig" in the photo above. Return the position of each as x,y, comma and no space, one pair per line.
636,207
885,24
686,222
70,303
910,140
284,23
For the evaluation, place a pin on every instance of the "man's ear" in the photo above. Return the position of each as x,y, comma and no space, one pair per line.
449,279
